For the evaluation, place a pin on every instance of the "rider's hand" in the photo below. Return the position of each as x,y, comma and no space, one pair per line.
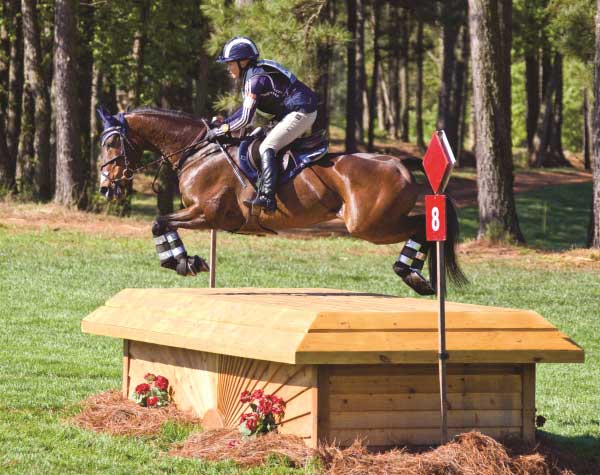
212,134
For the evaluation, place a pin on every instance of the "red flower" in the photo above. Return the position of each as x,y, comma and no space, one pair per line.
265,406
161,383
152,401
142,388
277,409
252,421
245,397
149,377
257,394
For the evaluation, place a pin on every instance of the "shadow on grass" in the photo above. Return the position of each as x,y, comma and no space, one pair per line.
581,454
553,218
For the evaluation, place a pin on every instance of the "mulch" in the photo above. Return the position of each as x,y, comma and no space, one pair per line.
470,453
110,412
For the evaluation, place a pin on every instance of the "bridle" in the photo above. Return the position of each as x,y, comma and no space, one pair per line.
129,172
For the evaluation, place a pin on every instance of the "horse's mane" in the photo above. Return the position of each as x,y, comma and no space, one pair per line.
165,112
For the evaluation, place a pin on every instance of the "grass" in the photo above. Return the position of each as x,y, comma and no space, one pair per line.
50,280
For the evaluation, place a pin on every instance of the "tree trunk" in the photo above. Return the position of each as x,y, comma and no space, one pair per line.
375,79
463,92
394,70
15,84
351,91
361,103
404,79
85,81
532,93
324,53
6,173
68,167
547,143
453,14
34,78
419,87
489,42
383,102
594,229
137,53
94,150
586,131
4,59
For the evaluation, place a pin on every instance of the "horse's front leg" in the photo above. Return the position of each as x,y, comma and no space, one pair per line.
169,246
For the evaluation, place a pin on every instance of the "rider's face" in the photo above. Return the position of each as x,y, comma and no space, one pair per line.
234,69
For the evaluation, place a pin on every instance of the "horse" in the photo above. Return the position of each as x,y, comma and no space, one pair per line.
373,193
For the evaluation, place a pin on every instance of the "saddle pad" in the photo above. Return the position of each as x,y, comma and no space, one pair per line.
288,169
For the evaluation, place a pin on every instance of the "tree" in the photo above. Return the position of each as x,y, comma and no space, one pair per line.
15,88
375,79
453,17
351,78
68,167
37,158
489,28
594,230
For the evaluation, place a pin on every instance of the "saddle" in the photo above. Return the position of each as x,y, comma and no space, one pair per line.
295,157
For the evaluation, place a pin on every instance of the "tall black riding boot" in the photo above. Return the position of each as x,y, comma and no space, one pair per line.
270,173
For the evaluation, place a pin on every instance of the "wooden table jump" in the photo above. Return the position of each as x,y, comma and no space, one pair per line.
348,364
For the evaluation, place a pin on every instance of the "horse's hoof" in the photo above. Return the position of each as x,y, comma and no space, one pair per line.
414,279
191,266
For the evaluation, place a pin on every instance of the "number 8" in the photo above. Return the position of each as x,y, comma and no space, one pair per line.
435,218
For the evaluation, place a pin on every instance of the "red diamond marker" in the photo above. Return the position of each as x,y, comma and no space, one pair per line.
438,161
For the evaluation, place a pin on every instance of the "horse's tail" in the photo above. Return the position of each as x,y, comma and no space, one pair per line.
454,272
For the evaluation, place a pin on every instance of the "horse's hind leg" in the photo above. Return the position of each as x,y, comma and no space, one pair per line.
411,260
169,246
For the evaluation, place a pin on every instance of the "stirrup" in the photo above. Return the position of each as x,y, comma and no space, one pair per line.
264,201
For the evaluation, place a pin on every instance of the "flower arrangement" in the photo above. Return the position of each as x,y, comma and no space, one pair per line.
153,393
267,412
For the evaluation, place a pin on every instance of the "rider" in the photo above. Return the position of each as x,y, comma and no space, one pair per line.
273,89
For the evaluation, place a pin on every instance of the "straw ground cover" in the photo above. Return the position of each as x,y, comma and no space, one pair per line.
51,277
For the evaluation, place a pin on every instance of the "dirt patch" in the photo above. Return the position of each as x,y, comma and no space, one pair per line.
110,412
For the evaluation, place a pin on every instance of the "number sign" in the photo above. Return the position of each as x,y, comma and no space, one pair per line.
435,215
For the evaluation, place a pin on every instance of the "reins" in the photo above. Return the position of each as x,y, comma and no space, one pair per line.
128,173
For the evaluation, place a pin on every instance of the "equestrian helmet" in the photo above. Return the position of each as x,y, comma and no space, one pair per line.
237,49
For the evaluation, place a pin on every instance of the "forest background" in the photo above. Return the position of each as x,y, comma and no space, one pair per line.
511,82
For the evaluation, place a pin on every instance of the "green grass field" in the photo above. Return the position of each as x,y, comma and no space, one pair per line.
50,280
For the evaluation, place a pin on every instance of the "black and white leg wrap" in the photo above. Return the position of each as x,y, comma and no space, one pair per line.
413,255
170,249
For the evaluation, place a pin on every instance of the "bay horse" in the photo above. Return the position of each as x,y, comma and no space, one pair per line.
372,193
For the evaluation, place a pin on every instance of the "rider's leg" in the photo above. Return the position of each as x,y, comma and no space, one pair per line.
285,132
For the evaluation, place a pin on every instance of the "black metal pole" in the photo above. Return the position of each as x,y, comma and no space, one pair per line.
442,355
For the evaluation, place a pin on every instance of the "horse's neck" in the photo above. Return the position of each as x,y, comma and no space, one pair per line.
165,134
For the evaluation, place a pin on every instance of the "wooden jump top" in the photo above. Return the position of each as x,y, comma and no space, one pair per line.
326,326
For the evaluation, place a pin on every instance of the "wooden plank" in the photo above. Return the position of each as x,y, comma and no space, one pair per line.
423,419
300,426
528,423
125,377
431,369
399,437
211,337
423,402
402,320
417,384
421,347
324,399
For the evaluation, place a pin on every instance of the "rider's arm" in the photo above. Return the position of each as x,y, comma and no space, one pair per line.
244,115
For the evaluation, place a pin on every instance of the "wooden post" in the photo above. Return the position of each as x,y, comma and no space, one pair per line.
126,360
442,355
213,258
